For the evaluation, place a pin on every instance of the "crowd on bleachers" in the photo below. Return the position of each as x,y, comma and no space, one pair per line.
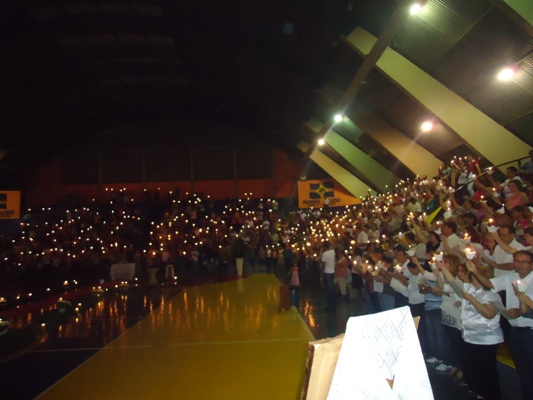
435,244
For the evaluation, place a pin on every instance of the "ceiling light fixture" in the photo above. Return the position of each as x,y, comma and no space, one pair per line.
337,118
321,142
506,74
415,8
426,126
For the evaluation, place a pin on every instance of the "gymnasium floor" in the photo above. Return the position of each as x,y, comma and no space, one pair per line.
213,338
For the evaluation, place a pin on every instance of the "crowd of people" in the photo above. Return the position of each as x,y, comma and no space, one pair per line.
457,251
443,246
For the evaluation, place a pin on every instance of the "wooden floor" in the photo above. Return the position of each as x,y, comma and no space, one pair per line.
217,341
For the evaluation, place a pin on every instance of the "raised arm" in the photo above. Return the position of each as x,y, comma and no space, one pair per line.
447,274
414,259
481,279
419,235
526,303
505,247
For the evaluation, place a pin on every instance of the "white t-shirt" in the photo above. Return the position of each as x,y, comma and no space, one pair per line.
362,238
500,256
454,243
476,328
328,258
414,295
505,282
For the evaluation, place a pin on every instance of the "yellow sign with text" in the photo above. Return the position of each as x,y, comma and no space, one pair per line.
319,193
9,204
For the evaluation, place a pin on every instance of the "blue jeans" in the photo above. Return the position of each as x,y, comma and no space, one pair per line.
437,340
386,302
372,302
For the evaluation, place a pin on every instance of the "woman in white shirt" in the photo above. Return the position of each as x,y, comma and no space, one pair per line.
481,334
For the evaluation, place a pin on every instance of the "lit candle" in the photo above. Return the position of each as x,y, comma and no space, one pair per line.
470,254
520,285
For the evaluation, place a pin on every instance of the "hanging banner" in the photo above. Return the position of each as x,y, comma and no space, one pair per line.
317,193
9,205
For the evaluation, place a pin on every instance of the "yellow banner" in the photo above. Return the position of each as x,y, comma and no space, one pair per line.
317,193
9,204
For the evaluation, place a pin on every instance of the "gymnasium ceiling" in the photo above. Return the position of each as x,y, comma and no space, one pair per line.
272,68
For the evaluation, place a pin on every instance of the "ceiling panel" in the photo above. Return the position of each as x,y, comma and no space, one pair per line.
82,68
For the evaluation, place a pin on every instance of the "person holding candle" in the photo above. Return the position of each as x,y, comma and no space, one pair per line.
528,241
357,281
510,174
386,295
413,206
481,331
365,269
436,340
402,274
521,332
450,312
503,261
517,196
520,215
450,242
474,169
361,235
432,244
418,248
408,287
526,302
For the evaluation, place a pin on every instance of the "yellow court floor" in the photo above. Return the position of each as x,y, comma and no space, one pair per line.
217,341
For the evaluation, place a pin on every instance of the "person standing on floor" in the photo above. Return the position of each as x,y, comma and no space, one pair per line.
341,273
481,332
328,273
521,333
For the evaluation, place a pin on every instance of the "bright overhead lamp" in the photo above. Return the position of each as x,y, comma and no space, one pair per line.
415,8
426,126
506,74
337,118
321,142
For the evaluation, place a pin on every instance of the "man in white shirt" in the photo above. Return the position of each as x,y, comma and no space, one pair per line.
503,261
521,333
450,242
328,268
413,206
362,237
418,248
401,297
